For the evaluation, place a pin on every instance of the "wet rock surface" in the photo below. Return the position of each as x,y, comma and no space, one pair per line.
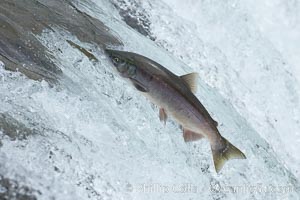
21,23
22,20
13,128
12,190
134,16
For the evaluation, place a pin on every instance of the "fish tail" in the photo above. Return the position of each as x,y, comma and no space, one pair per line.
221,155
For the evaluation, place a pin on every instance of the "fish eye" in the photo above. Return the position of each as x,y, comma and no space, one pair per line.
116,59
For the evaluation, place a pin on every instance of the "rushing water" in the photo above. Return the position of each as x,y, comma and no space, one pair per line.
71,128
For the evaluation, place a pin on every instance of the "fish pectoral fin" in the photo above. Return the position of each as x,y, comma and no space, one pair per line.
191,81
140,87
190,136
163,115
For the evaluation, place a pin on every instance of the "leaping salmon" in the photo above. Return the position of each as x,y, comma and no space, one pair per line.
174,95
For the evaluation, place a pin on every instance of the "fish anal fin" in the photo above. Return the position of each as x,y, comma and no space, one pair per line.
191,81
163,115
190,136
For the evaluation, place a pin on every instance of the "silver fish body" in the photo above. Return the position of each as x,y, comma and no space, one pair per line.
173,94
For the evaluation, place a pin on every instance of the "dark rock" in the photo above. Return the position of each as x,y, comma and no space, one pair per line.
134,16
22,20
13,128
12,190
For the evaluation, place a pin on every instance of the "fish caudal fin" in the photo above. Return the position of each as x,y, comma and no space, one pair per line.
220,156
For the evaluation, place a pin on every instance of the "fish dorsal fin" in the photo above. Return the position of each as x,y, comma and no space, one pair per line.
191,81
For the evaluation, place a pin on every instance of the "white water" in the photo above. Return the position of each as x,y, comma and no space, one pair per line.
98,138
255,65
